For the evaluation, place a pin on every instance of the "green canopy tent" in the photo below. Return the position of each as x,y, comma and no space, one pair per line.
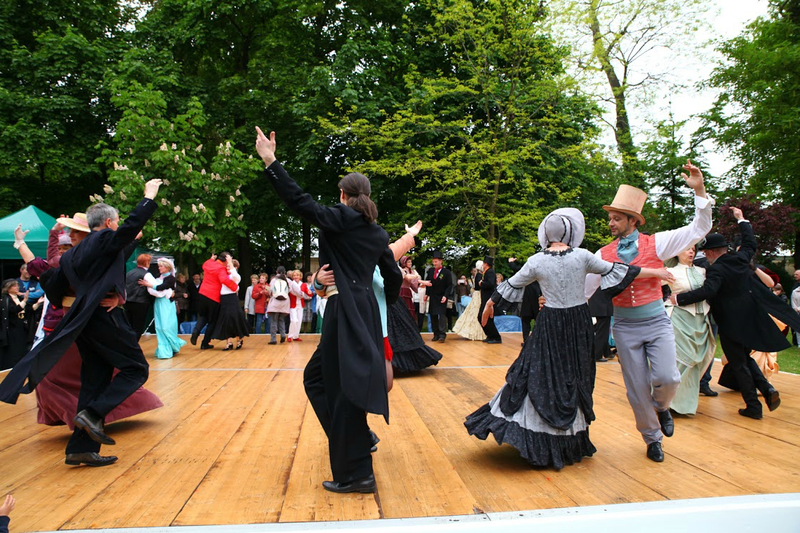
32,218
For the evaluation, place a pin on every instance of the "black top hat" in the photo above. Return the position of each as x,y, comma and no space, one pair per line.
488,260
712,240
437,255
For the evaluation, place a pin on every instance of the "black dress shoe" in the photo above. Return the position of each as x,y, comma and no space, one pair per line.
206,346
708,391
193,339
227,348
90,459
667,425
601,360
655,453
494,341
272,342
374,440
364,485
772,399
93,426
751,412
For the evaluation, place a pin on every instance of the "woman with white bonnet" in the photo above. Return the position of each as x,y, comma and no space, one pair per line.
545,407
166,315
468,325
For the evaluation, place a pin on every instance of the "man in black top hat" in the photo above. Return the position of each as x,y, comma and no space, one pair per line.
440,289
741,305
487,286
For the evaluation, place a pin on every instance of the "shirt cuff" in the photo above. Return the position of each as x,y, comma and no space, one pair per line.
742,220
702,203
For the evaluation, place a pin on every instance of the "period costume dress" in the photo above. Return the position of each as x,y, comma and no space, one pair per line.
94,269
545,407
468,325
165,315
231,321
694,340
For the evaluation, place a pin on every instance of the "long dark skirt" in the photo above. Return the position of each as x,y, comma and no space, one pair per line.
231,321
545,407
410,351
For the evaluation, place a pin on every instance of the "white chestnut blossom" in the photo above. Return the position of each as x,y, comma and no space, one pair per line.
227,213
163,147
194,209
107,189
174,146
177,209
122,196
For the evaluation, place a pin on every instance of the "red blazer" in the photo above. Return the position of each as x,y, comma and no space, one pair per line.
259,295
215,276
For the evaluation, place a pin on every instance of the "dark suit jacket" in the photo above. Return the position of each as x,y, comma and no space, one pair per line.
441,286
488,285
194,294
352,247
137,293
93,268
740,303
530,298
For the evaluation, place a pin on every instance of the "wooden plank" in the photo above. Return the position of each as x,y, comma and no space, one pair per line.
408,447
56,493
153,491
306,500
248,481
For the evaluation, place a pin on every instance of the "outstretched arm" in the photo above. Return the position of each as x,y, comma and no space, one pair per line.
290,192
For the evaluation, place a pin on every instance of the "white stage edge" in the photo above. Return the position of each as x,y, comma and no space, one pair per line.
773,513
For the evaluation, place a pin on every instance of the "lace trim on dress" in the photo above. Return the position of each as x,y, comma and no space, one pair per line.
561,253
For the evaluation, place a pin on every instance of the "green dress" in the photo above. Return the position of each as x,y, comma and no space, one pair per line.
694,340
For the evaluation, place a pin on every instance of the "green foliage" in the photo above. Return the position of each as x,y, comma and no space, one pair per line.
196,194
54,107
757,114
488,141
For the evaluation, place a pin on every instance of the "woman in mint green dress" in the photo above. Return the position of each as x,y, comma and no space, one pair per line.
694,340
166,315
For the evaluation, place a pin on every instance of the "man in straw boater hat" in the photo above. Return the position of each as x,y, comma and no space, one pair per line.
742,305
642,330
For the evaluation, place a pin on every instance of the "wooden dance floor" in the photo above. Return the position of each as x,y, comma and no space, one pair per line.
237,443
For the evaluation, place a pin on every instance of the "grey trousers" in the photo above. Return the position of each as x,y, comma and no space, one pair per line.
646,349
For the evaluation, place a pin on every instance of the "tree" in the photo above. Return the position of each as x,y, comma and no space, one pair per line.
670,205
616,39
491,136
773,225
196,195
756,114
54,106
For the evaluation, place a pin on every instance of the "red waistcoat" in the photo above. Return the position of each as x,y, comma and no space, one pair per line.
643,290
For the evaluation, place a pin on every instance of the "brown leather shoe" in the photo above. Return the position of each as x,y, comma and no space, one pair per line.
90,459
93,426
364,485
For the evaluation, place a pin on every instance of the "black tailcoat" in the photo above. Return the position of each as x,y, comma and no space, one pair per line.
93,268
488,284
352,247
441,286
740,302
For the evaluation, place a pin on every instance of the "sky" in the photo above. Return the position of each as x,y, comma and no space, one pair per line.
730,19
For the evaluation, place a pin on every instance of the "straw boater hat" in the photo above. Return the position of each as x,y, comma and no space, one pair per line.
629,200
77,222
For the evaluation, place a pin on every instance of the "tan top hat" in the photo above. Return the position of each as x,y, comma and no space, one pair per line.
629,200
77,222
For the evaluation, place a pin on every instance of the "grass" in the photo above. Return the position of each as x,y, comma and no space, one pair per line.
788,359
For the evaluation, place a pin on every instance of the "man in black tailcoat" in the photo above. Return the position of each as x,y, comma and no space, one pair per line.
138,301
440,289
95,270
601,307
742,306
487,285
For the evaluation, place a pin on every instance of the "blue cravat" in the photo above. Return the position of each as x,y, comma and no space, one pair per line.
628,247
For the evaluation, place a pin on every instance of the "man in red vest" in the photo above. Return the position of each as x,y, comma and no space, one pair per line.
215,275
642,330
